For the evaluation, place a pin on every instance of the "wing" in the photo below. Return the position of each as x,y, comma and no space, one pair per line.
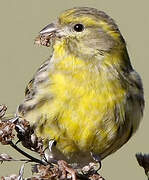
31,89
38,78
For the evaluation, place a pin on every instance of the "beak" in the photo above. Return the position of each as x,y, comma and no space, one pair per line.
49,29
46,35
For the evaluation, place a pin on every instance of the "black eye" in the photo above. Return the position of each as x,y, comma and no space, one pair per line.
78,27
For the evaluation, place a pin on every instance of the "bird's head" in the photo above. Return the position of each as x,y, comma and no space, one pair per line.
84,32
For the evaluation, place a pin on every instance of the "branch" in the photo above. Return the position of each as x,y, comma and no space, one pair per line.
32,159
42,169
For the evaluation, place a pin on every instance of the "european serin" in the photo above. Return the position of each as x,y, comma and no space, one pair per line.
87,96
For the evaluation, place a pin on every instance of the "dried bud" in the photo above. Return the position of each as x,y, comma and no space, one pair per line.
11,177
5,157
28,138
3,110
46,172
6,132
43,40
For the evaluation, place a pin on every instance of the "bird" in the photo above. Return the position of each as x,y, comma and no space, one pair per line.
86,100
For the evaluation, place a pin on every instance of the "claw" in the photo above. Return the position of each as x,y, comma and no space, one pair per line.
93,167
98,160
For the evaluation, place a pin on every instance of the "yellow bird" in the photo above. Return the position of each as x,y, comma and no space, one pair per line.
86,97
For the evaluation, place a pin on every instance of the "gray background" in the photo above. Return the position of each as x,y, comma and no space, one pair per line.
20,22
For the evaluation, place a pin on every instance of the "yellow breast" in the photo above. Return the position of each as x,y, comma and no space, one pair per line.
81,114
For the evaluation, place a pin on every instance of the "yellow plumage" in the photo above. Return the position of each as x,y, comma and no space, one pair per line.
87,97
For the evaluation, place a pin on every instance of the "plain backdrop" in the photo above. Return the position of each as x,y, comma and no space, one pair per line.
20,22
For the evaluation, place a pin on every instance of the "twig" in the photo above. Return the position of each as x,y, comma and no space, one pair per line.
82,177
33,159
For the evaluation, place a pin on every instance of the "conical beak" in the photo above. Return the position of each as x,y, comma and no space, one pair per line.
49,29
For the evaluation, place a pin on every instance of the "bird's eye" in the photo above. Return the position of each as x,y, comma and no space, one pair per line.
78,27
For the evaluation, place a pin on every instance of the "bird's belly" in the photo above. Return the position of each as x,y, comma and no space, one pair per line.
81,115
81,124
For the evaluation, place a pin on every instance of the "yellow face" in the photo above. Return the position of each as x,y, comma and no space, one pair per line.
86,32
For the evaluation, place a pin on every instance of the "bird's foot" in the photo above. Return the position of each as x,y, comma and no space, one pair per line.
98,164
91,171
